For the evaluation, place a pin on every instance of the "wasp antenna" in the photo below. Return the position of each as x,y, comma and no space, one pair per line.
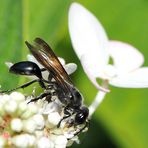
38,40
28,45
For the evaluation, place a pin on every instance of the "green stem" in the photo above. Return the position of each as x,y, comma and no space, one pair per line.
98,100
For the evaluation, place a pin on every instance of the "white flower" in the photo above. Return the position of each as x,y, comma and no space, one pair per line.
93,48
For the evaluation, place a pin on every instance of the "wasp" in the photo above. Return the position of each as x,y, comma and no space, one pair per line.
58,79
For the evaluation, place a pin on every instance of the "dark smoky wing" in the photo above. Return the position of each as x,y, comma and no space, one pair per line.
44,54
53,59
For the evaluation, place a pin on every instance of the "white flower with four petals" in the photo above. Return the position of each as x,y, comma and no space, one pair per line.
94,50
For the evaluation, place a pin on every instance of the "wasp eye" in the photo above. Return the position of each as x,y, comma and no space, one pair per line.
81,116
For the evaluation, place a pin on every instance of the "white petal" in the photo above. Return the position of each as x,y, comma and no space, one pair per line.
87,34
33,59
105,73
91,72
126,58
8,64
90,64
70,68
61,60
136,79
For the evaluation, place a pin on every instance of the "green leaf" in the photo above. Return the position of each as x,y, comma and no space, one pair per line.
10,38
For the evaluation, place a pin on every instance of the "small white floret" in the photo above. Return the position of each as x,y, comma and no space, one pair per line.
31,140
21,141
51,107
31,110
54,118
29,126
45,143
5,99
17,96
60,141
39,120
16,125
22,107
11,107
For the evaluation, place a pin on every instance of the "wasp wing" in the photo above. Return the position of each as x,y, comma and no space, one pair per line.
45,56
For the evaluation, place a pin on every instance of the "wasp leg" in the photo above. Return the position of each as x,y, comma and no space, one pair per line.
41,96
41,82
67,115
83,128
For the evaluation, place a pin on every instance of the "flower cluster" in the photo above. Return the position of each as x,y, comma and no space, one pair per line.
33,124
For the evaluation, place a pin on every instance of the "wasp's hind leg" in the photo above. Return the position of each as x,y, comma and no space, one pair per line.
41,83
41,96
27,68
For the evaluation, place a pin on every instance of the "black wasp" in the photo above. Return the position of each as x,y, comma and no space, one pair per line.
66,92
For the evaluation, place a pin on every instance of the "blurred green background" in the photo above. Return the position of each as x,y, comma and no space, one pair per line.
121,121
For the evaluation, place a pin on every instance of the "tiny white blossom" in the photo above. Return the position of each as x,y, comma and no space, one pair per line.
59,141
21,141
39,121
22,107
29,126
31,140
17,96
10,107
45,143
4,99
16,124
54,118
32,109
50,107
